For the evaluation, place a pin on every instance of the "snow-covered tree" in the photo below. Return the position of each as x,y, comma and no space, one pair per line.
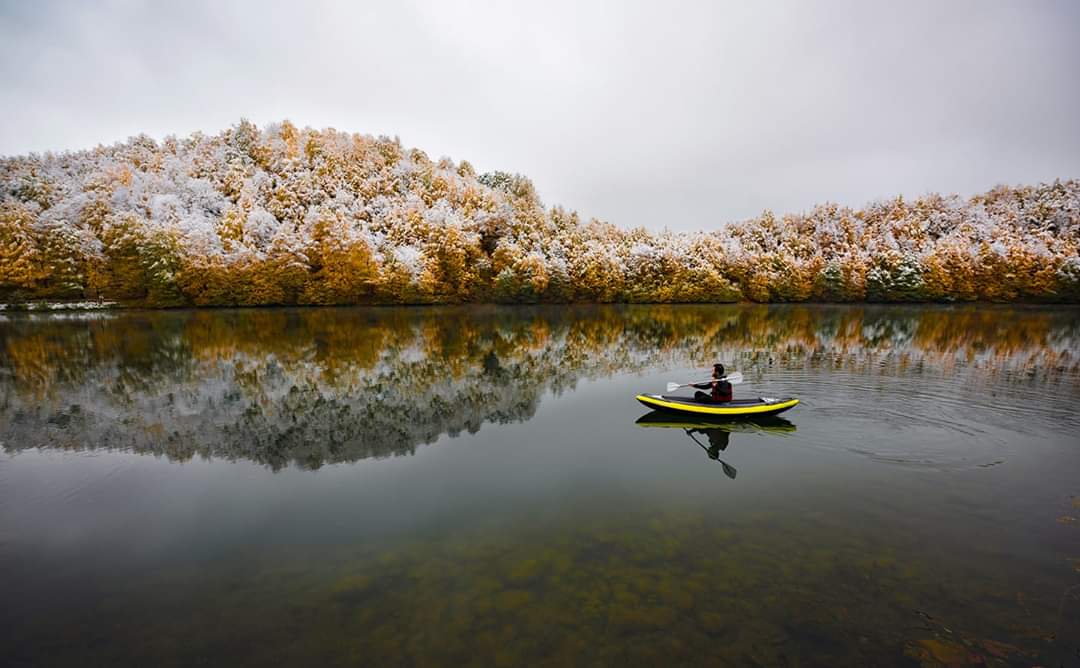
284,215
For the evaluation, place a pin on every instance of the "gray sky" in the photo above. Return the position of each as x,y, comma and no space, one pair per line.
678,114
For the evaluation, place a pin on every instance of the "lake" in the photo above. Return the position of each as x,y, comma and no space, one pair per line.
472,486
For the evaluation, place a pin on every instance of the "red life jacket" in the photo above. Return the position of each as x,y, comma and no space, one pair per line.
721,390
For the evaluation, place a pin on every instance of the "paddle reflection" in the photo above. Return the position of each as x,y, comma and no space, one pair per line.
717,434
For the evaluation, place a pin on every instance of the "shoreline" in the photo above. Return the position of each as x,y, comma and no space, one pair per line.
91,305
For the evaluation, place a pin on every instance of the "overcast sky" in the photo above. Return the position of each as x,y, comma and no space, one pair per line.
677,114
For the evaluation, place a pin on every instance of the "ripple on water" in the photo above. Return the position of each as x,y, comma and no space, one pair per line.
931,419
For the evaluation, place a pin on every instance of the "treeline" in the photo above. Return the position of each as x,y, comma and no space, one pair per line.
285,215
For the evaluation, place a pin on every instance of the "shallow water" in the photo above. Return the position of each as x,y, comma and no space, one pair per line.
471,486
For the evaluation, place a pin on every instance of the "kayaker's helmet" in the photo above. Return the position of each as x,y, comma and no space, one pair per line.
718,370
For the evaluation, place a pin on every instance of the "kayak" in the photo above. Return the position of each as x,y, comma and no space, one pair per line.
729,409
752,424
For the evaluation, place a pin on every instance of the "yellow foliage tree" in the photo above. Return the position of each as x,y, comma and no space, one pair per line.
20,259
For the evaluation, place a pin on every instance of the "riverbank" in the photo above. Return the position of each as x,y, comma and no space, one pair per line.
46,306
90,305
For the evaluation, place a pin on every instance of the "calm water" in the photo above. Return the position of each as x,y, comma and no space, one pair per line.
472,487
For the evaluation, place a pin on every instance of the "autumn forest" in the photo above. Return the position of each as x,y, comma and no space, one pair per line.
283,215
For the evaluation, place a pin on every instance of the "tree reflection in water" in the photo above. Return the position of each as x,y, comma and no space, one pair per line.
309,387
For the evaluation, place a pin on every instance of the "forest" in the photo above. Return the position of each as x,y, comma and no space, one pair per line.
288,216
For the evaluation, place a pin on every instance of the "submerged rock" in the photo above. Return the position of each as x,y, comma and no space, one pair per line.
629,619
512,599
933,652
352,585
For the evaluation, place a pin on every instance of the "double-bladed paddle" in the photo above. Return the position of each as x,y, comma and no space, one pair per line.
733,378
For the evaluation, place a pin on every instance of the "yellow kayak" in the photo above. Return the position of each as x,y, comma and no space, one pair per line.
729,409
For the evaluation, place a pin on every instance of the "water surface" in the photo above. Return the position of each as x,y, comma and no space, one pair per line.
476,486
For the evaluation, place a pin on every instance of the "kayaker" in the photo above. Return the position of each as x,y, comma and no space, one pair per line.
721,389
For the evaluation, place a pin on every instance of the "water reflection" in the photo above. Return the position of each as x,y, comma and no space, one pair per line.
312,387
716,433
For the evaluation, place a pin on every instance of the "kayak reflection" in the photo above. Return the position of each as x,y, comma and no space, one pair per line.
717,434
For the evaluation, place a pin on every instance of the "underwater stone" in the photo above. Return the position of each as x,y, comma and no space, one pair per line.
352,584
512,599
711,622
631,619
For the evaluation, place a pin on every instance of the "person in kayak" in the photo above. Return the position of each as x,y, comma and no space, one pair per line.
721,389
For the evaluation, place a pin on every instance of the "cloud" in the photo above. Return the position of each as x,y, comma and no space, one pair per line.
686,114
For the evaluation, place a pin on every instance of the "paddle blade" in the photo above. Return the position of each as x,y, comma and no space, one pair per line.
671,387
735,378
729,470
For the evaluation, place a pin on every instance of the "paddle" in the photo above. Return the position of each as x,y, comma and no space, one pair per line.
729,470
733,378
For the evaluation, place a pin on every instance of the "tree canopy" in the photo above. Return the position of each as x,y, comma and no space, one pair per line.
284,215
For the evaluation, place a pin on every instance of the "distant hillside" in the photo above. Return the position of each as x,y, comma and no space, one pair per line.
298,216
